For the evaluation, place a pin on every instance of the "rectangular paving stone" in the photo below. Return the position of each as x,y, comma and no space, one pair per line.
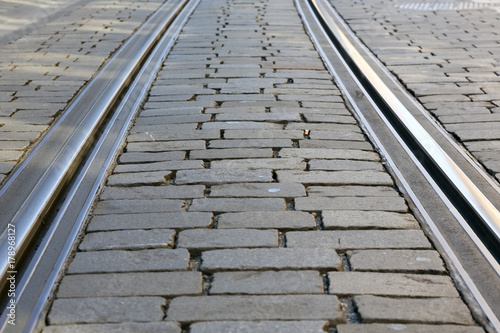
267,220
267,282
165,146
270,117
236,204
234,125
139,157
220,154
426,261
203,239
250,143
129,327
337,165
352,219
128,240
129,261
131,284
335,177
153,192
262,259
391,284
157,166
280,190
335,144
139,178
283,307
138,206
261,163
407,328
182,220
341,154
106,310
358,239
264,134
220,176
373,309
151,136
351,191
394,204
260,326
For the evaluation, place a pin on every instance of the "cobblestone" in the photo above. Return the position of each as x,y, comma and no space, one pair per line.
106,310
259,259
391,284
297,307
264,220
261,326
128,240
280,190
397,261
130,327
408,328
374,309
396,204
153,192
129,261
237,205
218,176
201,239
345,219
131,284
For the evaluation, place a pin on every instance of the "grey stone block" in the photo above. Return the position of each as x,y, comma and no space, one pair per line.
202,239
359,239
130,327
394,204
267,282
391,284
153,192
236,205
128,240
289,307
129,261
106,310
182,220
440,311
158,166
407,328
138,206
346,219
335,177
427,261
268,163
131,284
267,220
260,326
351,191
219,154
343,154
280,190
262,259
220,176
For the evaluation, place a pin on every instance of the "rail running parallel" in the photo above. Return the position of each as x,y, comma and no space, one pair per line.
460,191
73,159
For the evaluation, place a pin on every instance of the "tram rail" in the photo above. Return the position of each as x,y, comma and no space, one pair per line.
77,163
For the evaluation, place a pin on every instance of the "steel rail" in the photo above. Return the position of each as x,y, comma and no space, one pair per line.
487,212
54,160
472,294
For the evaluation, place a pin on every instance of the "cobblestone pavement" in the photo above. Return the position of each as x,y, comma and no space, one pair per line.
448,58
41,71
248,200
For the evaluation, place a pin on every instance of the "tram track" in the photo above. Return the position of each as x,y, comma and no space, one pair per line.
400,126
59,180
72,187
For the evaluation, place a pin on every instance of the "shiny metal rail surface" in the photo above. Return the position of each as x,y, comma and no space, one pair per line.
35,185
460,183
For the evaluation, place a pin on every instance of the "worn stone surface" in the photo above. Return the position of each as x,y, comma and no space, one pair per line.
128,240
266,220
426,261
138,206
182,220
267,282
106,310
358,239
304,326
408,328
236,204
129,261
201,239
219,176
256,163
139,178
280,190
394,204
130,327
335,177
345,219
153,192
259,259
131,284
374,309
351,191
391,284
296,307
